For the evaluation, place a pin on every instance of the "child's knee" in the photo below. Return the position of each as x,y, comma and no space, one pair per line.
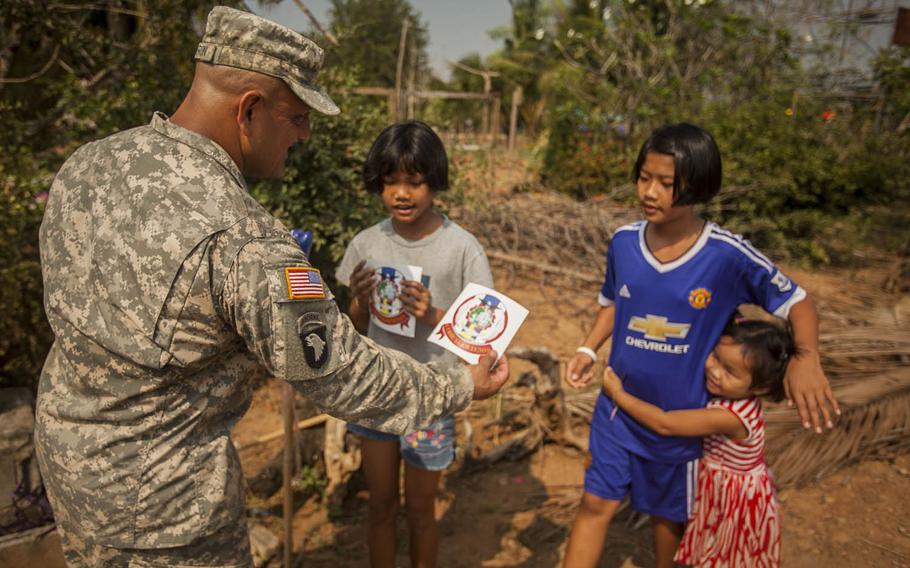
598,507
383,509
421,510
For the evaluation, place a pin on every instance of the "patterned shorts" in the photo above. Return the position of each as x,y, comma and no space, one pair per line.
432,449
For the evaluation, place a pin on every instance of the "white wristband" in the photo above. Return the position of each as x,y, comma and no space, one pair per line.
589,352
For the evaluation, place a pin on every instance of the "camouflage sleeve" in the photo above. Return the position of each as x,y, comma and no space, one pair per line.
286,315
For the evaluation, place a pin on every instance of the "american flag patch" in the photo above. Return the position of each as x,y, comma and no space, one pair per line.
304,283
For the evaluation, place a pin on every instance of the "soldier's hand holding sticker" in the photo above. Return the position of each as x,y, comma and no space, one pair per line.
489,375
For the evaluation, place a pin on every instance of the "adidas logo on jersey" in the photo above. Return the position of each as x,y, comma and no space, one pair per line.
624,292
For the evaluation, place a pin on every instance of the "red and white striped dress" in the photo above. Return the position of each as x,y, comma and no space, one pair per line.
735,519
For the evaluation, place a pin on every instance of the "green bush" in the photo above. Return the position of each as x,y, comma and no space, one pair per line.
804,170
116,69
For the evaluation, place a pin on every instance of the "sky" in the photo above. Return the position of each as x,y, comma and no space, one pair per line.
457,27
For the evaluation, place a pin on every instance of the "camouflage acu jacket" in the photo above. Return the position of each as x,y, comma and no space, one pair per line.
169,289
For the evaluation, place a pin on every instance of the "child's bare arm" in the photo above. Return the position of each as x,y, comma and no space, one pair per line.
694,423
578,371
805,381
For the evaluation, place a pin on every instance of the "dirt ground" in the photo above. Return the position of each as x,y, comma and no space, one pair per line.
519,513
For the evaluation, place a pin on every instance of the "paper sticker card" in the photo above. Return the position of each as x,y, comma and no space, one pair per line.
386,310
479,321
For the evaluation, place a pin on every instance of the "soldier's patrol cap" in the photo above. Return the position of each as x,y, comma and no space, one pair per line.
240,39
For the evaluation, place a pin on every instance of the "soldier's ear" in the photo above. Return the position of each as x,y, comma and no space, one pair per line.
251,103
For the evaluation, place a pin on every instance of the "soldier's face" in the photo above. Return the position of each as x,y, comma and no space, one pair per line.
281,123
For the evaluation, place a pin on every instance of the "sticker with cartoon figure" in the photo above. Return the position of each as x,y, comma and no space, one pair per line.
479,321
386,309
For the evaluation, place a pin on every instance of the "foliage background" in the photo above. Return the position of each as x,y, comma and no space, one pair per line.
812,175
810,171
78,72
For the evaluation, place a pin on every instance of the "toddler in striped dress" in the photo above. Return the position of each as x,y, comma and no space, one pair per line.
734,521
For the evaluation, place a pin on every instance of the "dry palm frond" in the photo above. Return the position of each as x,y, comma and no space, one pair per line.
876,417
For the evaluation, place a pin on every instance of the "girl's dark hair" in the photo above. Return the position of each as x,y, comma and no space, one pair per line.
410,147
770,346
696,158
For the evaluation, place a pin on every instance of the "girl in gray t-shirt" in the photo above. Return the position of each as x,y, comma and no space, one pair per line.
406,167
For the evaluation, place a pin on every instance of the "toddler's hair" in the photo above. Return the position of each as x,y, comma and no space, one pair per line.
410,147
696,161
768,346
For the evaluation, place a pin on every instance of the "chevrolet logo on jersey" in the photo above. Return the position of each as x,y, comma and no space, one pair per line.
656,330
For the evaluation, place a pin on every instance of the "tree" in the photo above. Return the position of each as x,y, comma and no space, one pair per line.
800,161
72,73
369,33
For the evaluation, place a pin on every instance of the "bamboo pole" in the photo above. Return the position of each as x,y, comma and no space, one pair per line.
405,23
290,448
412,73
494,126
517,96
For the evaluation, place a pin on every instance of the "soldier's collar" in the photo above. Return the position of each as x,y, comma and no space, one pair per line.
161,123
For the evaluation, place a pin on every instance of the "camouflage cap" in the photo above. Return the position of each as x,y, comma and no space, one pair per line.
240,39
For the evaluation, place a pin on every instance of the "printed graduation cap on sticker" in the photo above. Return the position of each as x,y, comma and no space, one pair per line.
304,283
386,308
479,321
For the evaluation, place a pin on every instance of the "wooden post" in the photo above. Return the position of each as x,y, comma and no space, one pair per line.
485,119
290,449
494,128
487,87
412,73
517,95
402,43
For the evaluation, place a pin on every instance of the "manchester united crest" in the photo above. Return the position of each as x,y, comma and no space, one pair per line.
699,298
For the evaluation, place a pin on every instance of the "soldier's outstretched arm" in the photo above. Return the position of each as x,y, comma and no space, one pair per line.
288,319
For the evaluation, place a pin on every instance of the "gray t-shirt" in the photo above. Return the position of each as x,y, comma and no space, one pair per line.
451,257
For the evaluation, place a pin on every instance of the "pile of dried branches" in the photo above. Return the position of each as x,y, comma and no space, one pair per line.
548,231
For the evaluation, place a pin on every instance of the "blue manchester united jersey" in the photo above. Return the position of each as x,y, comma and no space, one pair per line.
668,318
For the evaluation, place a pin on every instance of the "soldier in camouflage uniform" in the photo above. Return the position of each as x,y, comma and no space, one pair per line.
169,289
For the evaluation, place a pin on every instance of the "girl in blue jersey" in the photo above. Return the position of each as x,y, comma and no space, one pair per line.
672,282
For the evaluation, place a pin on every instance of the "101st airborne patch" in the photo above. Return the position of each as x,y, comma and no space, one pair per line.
312,332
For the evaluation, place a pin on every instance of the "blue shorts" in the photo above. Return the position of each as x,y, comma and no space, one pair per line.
432,449
659,489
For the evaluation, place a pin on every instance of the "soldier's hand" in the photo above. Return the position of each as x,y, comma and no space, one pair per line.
487,380
363,280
